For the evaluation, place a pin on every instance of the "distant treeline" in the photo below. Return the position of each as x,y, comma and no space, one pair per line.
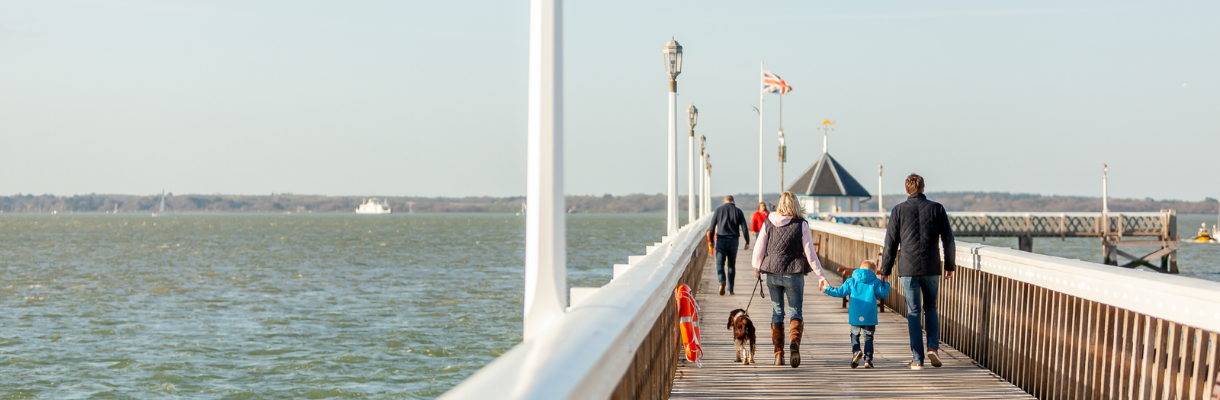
634,203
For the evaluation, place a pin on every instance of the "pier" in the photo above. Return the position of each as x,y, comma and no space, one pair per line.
1158,230
1013,323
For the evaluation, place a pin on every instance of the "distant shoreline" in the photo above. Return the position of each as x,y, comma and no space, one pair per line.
605,204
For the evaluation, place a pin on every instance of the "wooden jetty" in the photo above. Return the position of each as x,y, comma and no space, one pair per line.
1113,228
1013,323
825,370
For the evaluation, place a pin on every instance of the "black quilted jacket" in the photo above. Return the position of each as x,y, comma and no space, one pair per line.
917,225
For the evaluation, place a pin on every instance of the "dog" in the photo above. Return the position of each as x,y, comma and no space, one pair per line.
743,336
846,273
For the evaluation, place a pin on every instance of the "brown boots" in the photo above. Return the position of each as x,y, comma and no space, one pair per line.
795,329
777,339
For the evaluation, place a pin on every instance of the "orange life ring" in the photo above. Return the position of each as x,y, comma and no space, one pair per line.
688,323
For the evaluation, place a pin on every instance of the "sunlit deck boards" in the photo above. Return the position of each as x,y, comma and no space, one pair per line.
825,355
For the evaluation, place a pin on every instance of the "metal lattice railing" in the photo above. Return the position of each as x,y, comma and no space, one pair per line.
1154,224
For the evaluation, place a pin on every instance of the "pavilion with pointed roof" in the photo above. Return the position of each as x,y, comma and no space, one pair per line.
827,187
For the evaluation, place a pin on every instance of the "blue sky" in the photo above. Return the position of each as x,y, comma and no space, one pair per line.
428,98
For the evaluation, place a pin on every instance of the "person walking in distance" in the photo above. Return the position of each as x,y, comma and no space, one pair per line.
785,253
756,221
917,225
727,223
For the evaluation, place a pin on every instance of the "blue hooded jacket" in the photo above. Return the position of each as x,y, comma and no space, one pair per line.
865,289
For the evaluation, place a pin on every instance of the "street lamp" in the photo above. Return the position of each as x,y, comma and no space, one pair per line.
708,158
692,115
702,181
672,53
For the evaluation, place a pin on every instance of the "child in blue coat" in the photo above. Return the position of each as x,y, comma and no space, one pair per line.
864,289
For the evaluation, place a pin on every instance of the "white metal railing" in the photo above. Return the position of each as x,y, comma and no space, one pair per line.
1188,301
584,353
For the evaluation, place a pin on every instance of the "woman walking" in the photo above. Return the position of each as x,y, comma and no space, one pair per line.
784,251
760,216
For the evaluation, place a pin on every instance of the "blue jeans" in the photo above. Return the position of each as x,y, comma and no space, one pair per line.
791,286
921,304
867,331
726,253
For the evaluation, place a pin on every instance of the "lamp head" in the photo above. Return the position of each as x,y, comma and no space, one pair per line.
672,53
692,114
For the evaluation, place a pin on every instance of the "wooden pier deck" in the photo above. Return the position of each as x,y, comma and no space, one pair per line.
825,369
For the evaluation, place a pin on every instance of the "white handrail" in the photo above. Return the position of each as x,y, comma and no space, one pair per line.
585,352
1188,301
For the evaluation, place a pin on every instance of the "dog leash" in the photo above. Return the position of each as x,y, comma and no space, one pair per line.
757,285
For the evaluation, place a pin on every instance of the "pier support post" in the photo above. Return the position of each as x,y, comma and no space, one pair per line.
1025,243
545,242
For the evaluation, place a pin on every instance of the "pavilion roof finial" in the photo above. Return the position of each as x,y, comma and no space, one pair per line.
827,126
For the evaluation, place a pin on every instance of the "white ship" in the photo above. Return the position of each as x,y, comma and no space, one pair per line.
371,206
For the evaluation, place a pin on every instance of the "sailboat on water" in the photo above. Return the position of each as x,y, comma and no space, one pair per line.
161,208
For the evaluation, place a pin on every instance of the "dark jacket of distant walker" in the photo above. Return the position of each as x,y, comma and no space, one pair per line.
917,225
730,221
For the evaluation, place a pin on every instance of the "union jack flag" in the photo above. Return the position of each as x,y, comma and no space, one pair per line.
772,83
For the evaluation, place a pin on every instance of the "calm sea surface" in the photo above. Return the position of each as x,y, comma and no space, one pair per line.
272,306
299,306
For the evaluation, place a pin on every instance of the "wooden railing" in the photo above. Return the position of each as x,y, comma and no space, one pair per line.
1060,328
651,374
618,341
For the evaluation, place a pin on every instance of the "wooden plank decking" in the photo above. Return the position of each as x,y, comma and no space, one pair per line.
825,369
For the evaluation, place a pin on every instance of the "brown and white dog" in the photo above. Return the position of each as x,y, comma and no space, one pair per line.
743,336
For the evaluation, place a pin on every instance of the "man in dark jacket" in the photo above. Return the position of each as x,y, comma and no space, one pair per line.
919,225
727,223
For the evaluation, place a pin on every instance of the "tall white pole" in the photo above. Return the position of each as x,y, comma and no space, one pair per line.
703,184
1105,191
690,178
671,222
709,185
545,243
880,194
760,132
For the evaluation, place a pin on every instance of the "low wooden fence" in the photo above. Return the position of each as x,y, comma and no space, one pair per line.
651,374
1061,328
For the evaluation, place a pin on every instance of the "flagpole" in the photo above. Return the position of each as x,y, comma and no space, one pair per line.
760,131
781,140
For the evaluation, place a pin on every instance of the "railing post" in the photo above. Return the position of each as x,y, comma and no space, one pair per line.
545,243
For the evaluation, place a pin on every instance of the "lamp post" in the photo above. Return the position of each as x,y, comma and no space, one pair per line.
709,184
692,116
761,77
880,207
703,182
546,292
672,53
783,155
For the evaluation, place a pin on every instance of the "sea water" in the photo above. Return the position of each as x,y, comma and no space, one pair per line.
272,306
